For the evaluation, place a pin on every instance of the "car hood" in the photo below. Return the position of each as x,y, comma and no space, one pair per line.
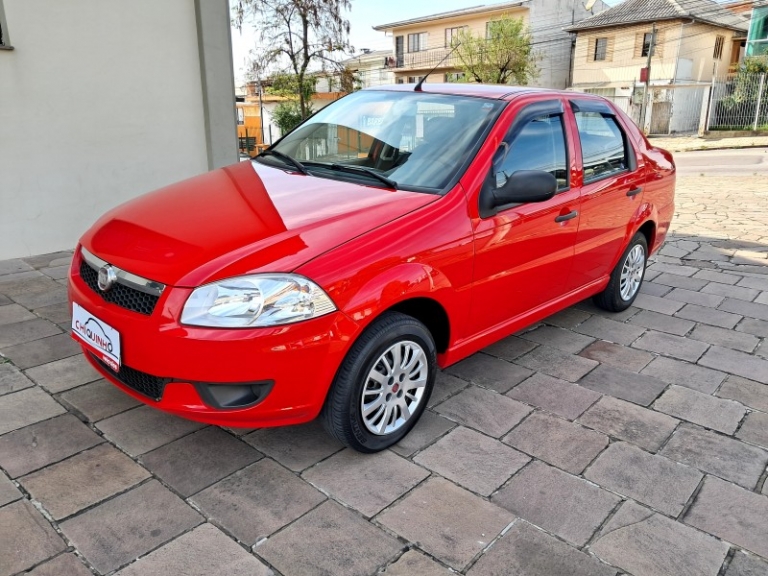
240,219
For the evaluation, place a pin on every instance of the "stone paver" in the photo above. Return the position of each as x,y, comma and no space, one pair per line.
445,387
557,363
670,345
490,372
561,443
130,525
26,331
737,363
731,513
661,483
13,313
41,444
744,564
27,538
328,542
83,480
448,522
511,347
748,392
618,356
623,384
196,461
684,374
662,323
98,400
369,482
703,409
412,563
428,429
201,552
61,565
539,492
8,491
472,460
526,551
256,501
554,395
559,338
63,374
41,351
26,407
143,429
12,380
658,546
755,429
707,315
295,447
625,421
657,304
717,454
483,410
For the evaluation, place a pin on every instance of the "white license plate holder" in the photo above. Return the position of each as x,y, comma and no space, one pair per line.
98,336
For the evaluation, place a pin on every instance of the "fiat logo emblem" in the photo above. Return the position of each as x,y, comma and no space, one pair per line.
107,277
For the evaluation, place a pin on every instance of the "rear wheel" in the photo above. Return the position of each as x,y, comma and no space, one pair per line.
383,384
626,277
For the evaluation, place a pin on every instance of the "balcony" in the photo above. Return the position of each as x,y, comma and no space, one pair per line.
425,59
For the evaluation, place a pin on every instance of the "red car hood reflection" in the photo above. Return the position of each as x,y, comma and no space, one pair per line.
240,219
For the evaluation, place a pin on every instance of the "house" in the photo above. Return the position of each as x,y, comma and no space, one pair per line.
421,44
368,68
101,102
687,42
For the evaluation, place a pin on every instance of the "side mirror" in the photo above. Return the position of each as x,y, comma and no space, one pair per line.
524,186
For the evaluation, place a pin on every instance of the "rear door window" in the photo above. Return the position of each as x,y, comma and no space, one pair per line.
603,145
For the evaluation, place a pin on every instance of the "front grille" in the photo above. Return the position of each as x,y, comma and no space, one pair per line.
141,382
120,294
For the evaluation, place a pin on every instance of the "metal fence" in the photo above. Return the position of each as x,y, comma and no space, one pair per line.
676,109
739,102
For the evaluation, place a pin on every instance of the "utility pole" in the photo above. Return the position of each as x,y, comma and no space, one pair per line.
646,89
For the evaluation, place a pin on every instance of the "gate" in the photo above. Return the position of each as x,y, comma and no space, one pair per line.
676,109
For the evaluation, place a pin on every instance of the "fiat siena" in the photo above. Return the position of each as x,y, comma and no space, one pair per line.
394,233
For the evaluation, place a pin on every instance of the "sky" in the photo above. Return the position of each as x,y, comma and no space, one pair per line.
364,15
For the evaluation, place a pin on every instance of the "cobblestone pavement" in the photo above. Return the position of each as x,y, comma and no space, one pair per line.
591,444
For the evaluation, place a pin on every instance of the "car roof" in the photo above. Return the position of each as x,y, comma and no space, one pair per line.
495,91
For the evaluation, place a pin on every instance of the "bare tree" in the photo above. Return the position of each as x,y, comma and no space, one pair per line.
504,56
302,31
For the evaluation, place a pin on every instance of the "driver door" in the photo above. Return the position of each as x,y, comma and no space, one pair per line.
524,252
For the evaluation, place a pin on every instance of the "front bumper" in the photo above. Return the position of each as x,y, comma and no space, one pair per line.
296,363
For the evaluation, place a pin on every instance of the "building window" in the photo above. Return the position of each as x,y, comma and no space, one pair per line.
647,40
414,79
719,42
417,42
601,48
399,80
455,77
492,29
451,34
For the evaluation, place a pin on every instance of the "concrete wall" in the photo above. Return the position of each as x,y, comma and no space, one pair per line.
104,100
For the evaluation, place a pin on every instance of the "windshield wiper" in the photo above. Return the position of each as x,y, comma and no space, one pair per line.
357,170
285,158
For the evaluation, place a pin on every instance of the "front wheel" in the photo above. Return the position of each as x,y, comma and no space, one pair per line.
626,277
383,384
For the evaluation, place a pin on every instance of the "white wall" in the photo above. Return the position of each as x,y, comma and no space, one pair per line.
100,101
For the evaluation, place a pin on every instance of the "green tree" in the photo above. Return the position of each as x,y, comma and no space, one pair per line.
302,32
287,115
506,56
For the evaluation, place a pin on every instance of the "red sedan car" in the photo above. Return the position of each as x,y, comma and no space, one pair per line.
394,232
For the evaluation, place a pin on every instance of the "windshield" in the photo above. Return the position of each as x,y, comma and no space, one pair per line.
415,140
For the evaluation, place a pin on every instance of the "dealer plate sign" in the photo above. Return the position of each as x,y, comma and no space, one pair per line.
97,335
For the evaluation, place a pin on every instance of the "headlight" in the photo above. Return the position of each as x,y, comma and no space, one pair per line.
256,301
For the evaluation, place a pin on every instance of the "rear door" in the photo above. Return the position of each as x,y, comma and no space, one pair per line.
524,252
611,179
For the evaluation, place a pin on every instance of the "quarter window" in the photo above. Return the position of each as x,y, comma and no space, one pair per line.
603,145
5,42
417,42
540,145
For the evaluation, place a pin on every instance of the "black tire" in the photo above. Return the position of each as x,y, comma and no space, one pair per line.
342,412
611,298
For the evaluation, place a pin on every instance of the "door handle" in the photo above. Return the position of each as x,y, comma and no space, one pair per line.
634,191
570,216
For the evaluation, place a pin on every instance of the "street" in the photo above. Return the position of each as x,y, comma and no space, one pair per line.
590,444
746,162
